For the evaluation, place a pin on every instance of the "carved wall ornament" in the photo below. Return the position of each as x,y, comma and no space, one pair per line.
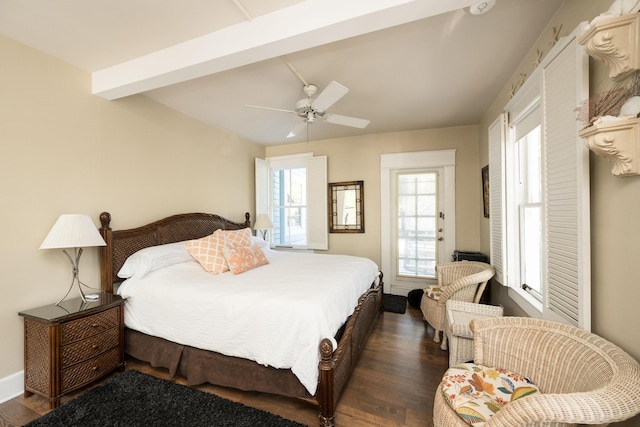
513,90
556,35
523,77
617,141
614,41
538,58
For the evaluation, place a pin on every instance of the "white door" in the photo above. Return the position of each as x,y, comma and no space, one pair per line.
417,218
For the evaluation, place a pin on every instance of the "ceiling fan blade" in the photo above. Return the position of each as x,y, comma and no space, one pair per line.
346,121
297,129
329,96
270,108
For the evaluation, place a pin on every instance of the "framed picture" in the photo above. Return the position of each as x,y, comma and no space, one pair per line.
346,207
485,190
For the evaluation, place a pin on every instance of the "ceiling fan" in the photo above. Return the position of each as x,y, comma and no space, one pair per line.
310,109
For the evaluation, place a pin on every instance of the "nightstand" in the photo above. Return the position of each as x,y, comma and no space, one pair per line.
70,345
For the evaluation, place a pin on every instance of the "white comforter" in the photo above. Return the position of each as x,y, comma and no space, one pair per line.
275,314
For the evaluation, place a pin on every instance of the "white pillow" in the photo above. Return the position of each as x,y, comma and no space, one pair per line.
152,258
262,244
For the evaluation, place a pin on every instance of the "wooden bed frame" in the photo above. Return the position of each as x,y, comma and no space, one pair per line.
200,366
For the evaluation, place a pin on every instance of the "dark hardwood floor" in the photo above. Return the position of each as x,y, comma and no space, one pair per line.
393,384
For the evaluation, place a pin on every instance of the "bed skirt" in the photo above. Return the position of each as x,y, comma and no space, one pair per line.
201,366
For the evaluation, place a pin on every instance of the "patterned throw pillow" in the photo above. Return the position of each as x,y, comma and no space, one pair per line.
245,258
433,292
208,250
237,238
477,392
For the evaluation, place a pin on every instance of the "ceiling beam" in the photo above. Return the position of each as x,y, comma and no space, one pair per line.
302,26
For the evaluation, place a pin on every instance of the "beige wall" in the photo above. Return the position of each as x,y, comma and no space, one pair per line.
63,150
358,158
615,209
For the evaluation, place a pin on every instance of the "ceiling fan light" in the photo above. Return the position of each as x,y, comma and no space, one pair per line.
310,117
482,7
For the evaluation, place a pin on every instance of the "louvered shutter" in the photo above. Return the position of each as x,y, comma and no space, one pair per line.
317,208
262,187
496,195
568,280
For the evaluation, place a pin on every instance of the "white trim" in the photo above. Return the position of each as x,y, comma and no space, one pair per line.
418,159
532,307
11,386
287,161
389,164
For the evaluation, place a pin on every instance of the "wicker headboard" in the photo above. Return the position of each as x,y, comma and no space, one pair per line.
123,243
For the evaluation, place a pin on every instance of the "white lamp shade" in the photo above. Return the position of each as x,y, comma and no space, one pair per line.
73,231
263,222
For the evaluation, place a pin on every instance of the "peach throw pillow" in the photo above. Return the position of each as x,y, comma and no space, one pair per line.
244,258
208,250
237,238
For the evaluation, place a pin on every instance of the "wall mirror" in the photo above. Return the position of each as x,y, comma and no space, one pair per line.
346,207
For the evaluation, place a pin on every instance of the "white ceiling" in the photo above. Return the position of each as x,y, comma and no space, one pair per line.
409,64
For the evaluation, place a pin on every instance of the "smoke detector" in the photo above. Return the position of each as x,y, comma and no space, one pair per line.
483,7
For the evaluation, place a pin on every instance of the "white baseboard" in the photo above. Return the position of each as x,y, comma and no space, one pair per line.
11,386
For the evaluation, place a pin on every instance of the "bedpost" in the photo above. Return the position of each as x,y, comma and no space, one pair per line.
106,254
325,396
381,285
247,219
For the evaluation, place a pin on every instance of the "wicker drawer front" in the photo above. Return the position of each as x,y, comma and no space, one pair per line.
91,347
89,326
90,370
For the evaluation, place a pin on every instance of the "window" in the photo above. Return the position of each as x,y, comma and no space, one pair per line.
525,226
293,191
540,191
530,226
417,216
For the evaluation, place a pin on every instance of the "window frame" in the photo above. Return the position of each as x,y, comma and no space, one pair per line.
523,116
317,236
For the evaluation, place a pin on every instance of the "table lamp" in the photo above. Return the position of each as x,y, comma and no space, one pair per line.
263,223
77,232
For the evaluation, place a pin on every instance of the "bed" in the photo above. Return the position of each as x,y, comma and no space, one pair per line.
336,355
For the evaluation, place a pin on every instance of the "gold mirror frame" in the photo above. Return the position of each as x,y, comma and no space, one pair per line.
346,207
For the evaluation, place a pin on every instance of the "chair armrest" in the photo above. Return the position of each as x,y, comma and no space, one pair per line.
583,377
459,285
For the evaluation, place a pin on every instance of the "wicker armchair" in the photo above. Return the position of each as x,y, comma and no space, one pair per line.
460,281
583,379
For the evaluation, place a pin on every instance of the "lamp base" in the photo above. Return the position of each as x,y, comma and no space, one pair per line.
76,279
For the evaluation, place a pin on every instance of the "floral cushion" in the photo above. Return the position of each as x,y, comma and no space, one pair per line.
477,392
433,292
243,259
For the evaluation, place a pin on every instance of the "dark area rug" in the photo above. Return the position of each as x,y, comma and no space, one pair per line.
136,399
395,303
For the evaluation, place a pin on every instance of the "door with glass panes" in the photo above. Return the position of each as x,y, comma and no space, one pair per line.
419,226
